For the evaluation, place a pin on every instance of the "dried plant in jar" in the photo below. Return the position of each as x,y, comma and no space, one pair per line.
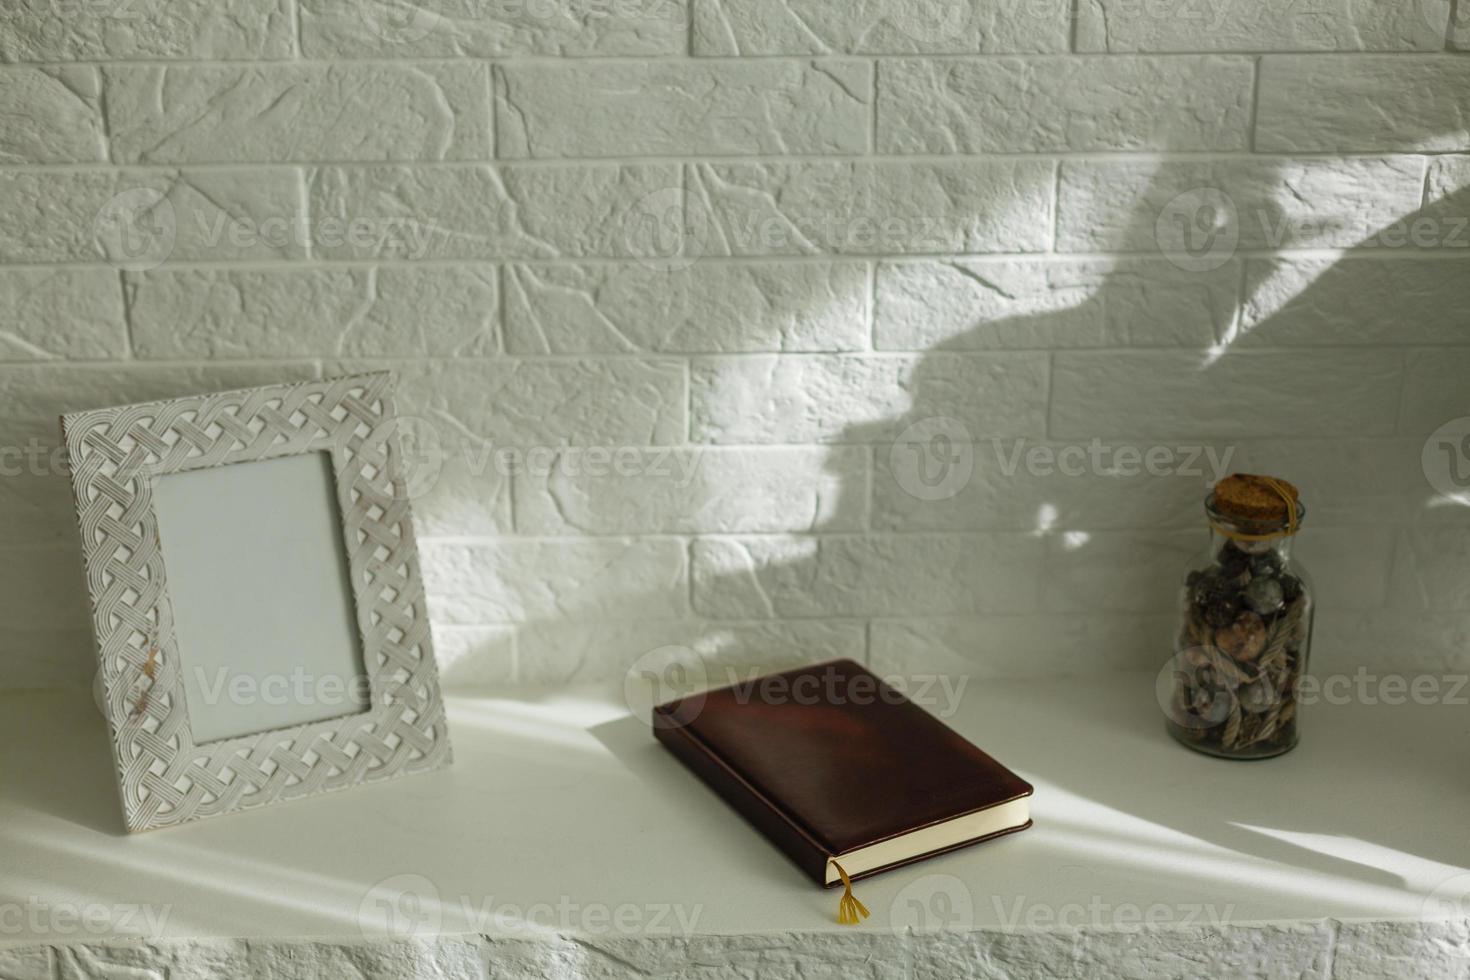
1231,687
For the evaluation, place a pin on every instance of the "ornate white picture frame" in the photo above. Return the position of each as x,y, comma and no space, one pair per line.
116,455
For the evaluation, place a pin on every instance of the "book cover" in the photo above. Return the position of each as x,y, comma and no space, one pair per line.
834,765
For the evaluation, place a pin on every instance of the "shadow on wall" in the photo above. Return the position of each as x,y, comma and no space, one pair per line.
984,556
987,556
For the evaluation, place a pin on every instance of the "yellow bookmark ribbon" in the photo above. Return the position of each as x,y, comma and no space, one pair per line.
848,907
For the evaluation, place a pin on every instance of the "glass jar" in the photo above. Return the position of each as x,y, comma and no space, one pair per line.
1231,688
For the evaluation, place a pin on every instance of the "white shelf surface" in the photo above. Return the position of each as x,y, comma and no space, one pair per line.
560,810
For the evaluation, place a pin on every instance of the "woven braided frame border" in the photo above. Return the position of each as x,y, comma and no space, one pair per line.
166,778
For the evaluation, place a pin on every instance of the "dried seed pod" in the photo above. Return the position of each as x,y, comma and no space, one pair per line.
1264,595
1221,611
1258,696
1266,565
1226,669
1268,728
1232,729
1243,639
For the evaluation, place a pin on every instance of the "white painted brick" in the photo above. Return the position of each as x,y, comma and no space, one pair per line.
708,490
1040,304
873,575
237,29
1021,105
485,212
1442,225
474,29
1170,395
481,407
1118,571
726,108
420,958
1278,202
61,313
663,293
52,115
1365,104
1297,951
354,312
1447,193
206,216
1022,646
36,395
455,418
29,964
1434,389
870,208
1291,951
1046,486
461,492
706,308
1353,482
576,653
1323,302
442,958
863,399
1344,482
1330,25
341,114
589,580
757,27
1384,949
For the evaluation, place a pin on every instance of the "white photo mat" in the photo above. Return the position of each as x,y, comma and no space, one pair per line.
165,776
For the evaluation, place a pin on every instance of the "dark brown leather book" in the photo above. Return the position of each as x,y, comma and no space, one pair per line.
832,764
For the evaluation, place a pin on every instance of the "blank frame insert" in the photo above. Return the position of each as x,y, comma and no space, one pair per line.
262,603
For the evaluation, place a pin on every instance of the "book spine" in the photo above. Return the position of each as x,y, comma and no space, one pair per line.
744,798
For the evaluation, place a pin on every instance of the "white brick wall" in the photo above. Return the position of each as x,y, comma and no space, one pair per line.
709,272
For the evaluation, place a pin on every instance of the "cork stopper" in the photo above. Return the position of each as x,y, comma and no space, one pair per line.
1258,499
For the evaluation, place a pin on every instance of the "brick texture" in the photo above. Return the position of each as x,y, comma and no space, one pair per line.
776,329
